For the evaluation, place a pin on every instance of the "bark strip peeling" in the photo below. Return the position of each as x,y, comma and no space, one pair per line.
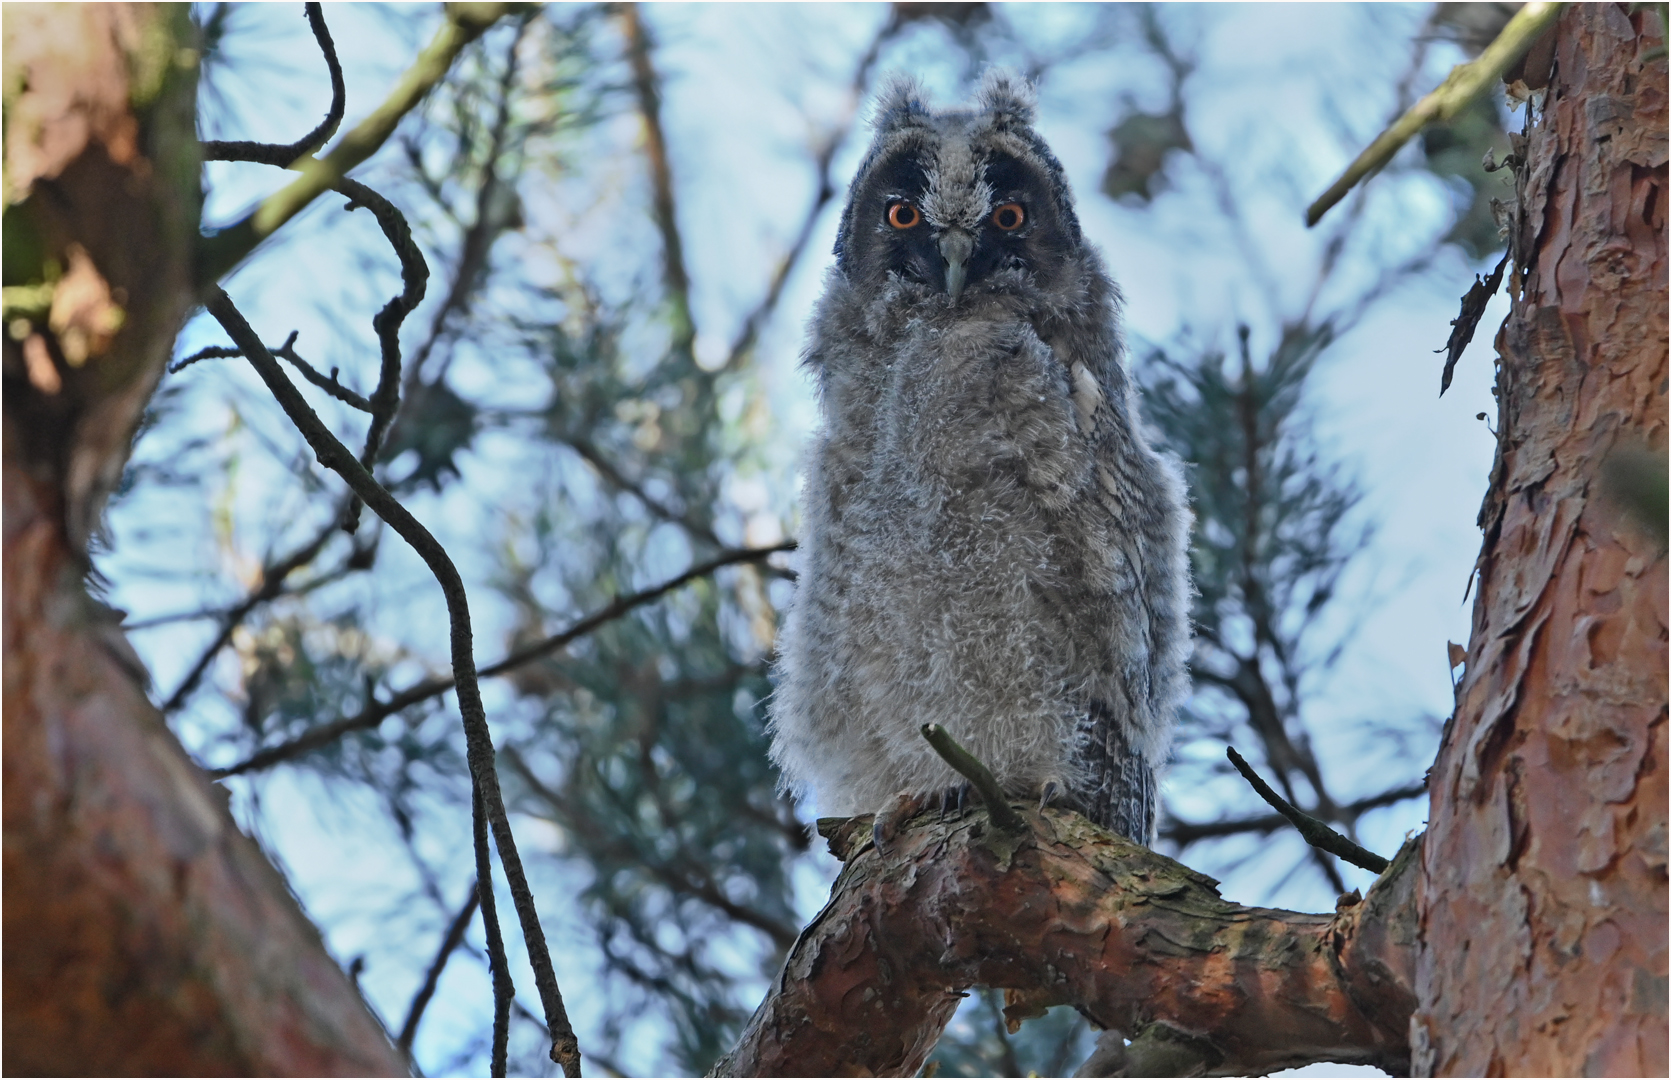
1543,898
1068,913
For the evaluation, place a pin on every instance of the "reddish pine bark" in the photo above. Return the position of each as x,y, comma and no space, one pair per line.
1543,894
143,933
1068,913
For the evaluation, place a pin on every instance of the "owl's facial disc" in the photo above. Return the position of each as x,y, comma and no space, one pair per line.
953,218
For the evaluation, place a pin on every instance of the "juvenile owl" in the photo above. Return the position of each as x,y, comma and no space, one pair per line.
989,542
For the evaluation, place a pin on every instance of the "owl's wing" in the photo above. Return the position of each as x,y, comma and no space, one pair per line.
1122,795
1142,492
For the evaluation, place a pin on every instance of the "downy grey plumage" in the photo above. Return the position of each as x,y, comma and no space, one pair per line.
988,541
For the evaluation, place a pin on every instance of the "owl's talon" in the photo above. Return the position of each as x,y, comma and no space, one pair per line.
879,834
1048,794
952,800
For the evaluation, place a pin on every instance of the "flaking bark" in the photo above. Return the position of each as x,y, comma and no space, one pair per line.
1071,914
1543,893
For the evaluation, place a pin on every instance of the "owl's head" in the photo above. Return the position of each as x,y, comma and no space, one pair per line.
959,201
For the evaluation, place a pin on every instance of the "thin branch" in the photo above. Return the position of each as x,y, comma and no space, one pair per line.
478,239
331,453
464,23
1184,833
606,468
377,712
449,944
273,577
1078,916
286,154
756,320
287,351
1465,83
414,277
1003,814
414,271
504,990
1317,834
648,88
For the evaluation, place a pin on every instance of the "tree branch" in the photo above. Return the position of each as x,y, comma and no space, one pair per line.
283,155
450,942
1465,83
1317,834
220,253
504,991
1184,833
1003,815
335,456
287,351
647,86
1075,915
377,712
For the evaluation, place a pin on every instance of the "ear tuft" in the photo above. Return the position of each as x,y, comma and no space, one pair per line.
1007,96
900,104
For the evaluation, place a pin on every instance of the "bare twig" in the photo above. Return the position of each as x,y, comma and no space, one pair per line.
330,384
377,712
450,942
1184,833
286,154
756,320
465,22
414,277
1465,83
414,271
478,239
335,456
273,577
647,86
607,469
1317,834
504,990
986,785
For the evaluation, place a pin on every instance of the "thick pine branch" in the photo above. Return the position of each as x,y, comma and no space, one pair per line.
1071,914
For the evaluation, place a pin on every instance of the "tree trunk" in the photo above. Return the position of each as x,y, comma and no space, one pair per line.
1543,894
144,934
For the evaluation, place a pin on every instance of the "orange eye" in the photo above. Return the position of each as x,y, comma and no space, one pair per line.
902,215
1009,216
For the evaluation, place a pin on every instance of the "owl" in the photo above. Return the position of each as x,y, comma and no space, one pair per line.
989,542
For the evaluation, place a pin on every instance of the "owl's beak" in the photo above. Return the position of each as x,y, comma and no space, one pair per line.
955,246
